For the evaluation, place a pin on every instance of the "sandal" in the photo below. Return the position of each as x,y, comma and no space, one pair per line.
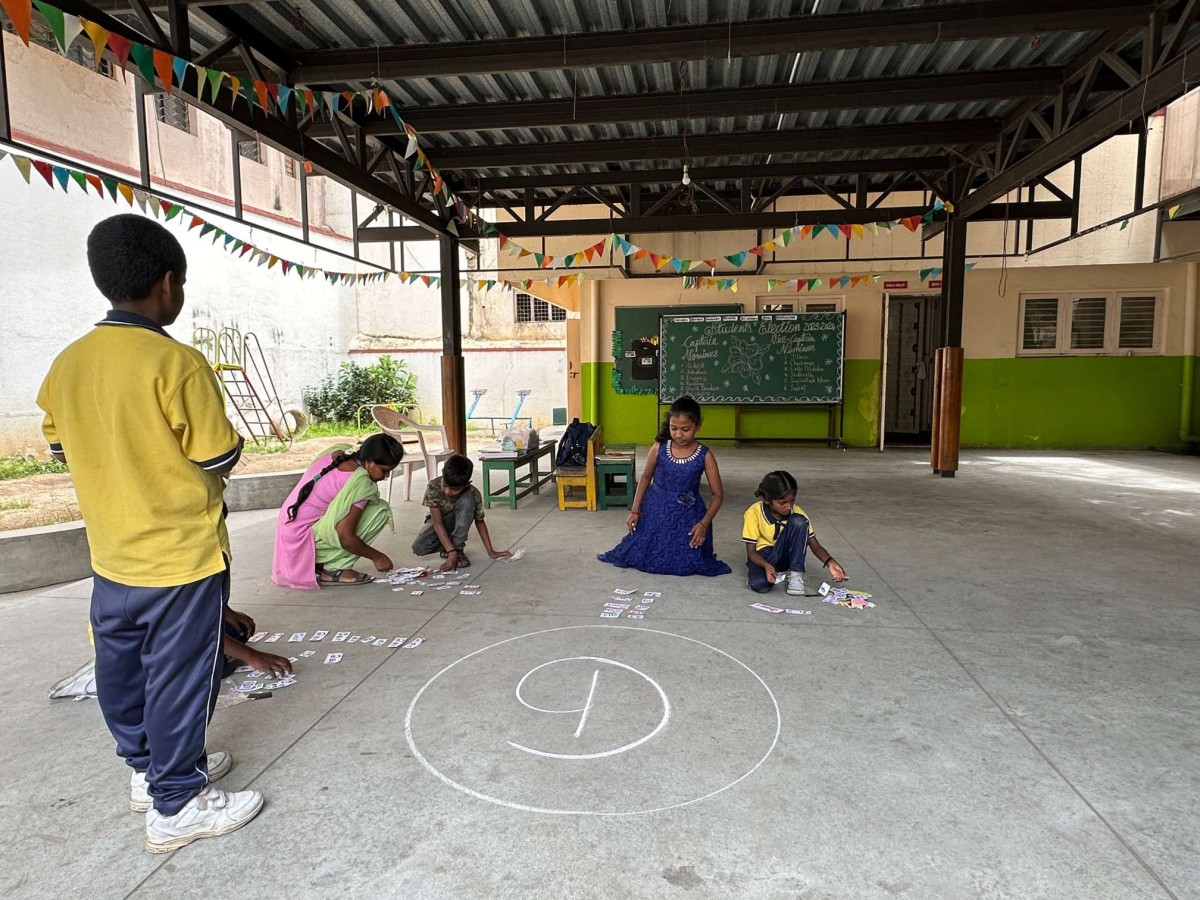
335,577
463,561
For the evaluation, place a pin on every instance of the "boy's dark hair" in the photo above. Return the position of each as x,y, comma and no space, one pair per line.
776,485
684,406
129,254
457,471
381,449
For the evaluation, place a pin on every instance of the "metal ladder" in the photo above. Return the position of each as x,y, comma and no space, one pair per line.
241,367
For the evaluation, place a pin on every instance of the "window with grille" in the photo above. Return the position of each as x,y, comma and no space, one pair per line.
1087,323
535,309
1090,324
251,150
171,110
289,167
821,307
1137,323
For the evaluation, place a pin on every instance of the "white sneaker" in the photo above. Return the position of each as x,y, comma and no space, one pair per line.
219,764
795,584
211,813
80,684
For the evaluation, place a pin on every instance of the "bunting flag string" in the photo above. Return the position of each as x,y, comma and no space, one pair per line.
106,186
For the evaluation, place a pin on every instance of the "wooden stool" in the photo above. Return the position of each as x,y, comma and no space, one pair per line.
610,467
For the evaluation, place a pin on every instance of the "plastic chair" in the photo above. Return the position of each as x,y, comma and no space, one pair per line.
411,435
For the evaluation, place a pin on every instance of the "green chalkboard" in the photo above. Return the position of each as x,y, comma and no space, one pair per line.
772,358
635,343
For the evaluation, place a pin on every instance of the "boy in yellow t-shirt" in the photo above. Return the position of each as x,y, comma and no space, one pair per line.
778,534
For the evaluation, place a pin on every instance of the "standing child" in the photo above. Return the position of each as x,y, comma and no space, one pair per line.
778,534
454,503
673,535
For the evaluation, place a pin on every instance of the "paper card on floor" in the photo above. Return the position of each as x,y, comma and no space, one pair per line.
293,659
379,642
355,639
616,606
622,592
415,642
333,658
765,608
652,594
641,608
633,615
319,636
473,587
397,641
417,593
646,600
824,588
297,637
472,593
611,614
273,638
798,612
369,640
247,686
516,554
308,653
256,637
341,636
240,669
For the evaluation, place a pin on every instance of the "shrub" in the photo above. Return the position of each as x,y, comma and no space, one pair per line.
338,397
24,466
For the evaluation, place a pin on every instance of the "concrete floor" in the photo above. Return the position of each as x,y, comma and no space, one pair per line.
1016,718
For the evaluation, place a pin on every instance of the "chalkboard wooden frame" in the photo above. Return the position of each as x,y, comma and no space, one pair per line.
670,356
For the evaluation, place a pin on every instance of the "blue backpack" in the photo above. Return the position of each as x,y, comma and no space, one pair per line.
572,448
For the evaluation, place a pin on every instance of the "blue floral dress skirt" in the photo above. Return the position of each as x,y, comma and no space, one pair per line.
671,507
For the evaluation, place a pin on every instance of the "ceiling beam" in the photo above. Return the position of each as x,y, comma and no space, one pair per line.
911,134
768,173
956,87
685,222
1164,85
721,40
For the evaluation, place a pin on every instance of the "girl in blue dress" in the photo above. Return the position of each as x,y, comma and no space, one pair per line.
669,526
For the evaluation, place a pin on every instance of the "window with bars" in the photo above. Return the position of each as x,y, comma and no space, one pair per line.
1089,324
80,51
535,309
289,167
251,150
828,306
171,110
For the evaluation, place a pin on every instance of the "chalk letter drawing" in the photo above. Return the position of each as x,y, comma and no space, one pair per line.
587,706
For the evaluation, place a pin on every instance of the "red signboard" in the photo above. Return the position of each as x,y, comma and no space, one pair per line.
935,284
895,285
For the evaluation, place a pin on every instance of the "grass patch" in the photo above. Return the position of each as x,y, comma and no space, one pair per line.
24,466
6,505
339,429
272,446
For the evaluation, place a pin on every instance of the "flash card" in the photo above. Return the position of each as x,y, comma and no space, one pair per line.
652,594
333,658
798,612
255,638
646,601
246,686
319,635
472,593
307,653
379,642
369,640
641,608
273,638
240,669
473,587
417,593
397,642
765,608
297,637
635,615
415,642
355,639
616,606
611,614
341,636
623,593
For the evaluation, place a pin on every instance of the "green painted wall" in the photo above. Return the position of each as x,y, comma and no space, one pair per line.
1078,402
632,418
1096,401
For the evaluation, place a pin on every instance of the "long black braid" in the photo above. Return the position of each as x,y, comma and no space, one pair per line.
381,449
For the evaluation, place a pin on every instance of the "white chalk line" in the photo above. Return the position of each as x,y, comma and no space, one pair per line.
587,706
662,723
585,812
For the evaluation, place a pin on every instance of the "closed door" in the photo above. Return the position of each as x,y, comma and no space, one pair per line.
911,338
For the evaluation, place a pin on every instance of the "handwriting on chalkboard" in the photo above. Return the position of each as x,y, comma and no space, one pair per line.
780,358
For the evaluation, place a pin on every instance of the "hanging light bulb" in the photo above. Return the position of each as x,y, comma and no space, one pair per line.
687,178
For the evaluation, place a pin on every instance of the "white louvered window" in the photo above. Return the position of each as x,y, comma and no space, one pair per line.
535,309
1087,322
1112,323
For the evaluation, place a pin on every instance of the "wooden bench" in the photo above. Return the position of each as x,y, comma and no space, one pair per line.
572,478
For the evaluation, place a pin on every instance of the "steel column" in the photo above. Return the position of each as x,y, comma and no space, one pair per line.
454,406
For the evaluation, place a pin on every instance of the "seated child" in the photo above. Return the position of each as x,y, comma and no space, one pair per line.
454,503
777,534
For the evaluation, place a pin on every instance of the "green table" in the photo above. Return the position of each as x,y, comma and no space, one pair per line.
524,475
